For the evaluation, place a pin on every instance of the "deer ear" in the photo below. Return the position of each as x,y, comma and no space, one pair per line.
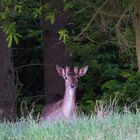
76,70
60,70
83,71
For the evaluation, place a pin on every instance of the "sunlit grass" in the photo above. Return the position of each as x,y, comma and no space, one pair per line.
110,127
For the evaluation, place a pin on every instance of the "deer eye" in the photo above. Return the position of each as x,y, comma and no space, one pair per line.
65,78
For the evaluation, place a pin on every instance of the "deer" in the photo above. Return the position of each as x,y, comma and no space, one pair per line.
66,107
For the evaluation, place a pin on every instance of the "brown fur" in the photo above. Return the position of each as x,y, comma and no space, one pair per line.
65,108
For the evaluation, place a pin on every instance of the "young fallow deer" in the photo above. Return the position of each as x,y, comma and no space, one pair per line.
65,108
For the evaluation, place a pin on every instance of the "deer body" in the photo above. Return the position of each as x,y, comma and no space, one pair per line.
65,108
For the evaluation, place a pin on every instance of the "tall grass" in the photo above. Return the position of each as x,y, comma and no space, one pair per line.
111,127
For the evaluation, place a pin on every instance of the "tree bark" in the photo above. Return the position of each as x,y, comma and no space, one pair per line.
136,19
54,52
7,81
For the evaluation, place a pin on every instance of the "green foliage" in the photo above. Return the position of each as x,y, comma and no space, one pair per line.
131,88
127,90
50,17
111,86
37,11
13,36
7,23
107,46
18,8
63,35
68,5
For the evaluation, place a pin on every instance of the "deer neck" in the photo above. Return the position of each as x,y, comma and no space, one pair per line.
69,101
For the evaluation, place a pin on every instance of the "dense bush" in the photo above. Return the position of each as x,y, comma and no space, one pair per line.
107,46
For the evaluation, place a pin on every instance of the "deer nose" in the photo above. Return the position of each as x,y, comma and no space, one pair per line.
72,85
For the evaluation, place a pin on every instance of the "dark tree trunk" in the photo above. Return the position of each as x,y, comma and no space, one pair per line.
7,81
54,52
136,19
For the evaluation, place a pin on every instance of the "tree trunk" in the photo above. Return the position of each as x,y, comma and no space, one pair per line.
7,81
137,30
54,52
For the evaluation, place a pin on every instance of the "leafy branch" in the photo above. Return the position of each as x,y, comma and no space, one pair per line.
13,36
63,35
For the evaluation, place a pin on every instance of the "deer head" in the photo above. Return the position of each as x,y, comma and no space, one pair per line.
71,78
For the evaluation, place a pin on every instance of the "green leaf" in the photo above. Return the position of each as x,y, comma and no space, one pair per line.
51,17
13,36
45,6
37,12
125,74
18,8
10,38
68,5
63,35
